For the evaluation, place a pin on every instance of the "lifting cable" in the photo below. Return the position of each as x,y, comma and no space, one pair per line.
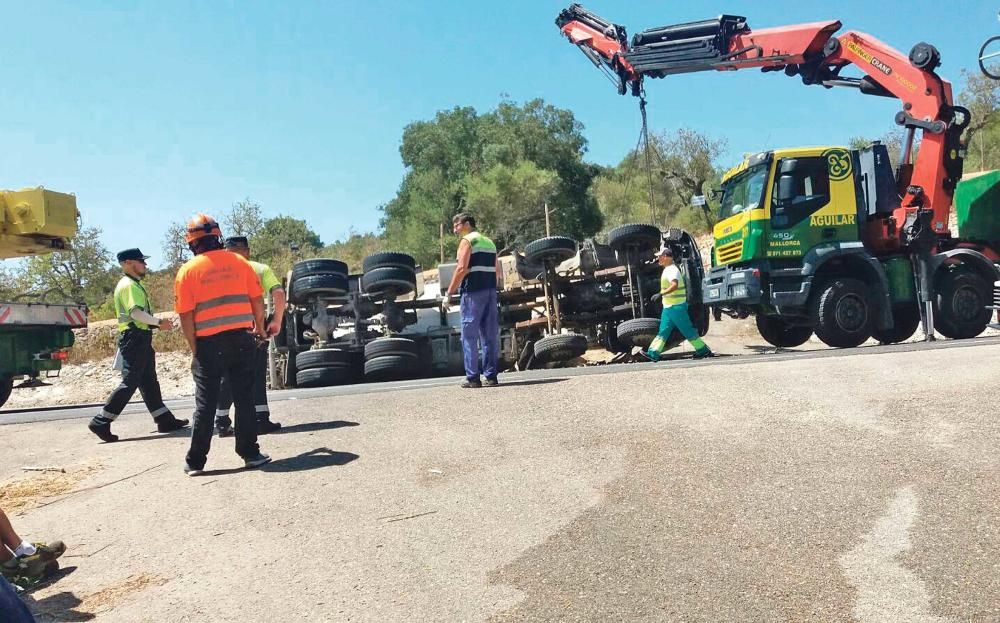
644,143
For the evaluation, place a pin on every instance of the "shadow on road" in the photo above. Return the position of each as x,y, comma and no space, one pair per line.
184,432
526,383
314,459
310,427
58,607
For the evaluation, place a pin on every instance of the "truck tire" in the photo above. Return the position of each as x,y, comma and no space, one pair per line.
562,347
555,249
639,235
6,387
395,346
394,280
387,259
307,268
778,332
638,332
905,320
324,377
843,313
960,306
390,368
323,358
332,285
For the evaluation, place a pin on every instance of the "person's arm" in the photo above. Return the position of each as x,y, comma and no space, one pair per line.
462,269
257,305
278,297
673,286
187,327
141,315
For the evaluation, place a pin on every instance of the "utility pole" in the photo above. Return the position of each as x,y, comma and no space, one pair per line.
548,225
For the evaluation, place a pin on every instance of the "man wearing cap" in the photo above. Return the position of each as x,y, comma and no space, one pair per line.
274,300
220,303
135,348
673,293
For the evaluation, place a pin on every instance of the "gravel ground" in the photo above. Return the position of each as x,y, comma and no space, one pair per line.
835,489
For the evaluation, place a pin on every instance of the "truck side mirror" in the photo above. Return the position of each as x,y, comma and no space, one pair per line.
786,190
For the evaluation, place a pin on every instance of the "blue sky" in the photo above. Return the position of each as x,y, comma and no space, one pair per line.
151,111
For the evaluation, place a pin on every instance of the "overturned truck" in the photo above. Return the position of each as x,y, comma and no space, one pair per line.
557,297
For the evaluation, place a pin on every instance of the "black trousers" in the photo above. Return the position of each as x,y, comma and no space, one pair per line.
261,408
227,355
138,372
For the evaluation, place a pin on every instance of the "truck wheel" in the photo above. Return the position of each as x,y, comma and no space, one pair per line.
905,320
779,332
560,347
323,358
843,313
553,249
386,259
6,386
390,368
960,309
307,268
394,280
332,285
398,346
638,332
640,235
324,377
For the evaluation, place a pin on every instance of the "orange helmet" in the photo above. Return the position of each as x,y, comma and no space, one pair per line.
202,225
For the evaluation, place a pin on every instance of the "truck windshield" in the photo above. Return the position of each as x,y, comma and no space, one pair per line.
743,192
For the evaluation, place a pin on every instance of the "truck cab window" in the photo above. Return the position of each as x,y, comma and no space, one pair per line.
801,187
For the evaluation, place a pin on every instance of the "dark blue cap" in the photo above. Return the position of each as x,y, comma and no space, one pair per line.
131,254
237,242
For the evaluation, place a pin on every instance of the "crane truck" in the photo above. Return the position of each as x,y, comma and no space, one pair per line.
35,337
830,240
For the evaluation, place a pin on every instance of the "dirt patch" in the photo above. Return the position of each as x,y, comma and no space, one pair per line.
107,598
21,495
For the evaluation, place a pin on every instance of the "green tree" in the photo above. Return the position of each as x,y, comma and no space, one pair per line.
461,153
509,201
282,235
354,249
174,246
245,218
83,273
981,96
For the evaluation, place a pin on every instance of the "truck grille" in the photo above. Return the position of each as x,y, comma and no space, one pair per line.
729,252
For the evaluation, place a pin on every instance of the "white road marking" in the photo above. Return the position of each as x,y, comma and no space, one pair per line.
888,592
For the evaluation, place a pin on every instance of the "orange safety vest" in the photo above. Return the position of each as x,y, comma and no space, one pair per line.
217,286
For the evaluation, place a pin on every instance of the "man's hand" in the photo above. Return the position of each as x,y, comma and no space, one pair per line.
446,303
166,325
273,328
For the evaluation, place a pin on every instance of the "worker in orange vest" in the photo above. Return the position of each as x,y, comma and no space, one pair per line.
220,303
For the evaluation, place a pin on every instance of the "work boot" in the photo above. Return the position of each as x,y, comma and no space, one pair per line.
256,461
652,355
702,354
102,428
472,384
50,551
267,426
224,425
192,471
492,381
167,423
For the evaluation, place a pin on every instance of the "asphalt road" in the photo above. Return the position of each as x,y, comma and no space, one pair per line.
185,405
834,486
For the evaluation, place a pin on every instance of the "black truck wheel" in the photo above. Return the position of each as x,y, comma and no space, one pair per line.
390,368
780,333
323,358
843,313
6,387
960,309
386,259
562,347
389,280
307,268
553,249
396,346
636,235
324,377
905,320
638,332
331,285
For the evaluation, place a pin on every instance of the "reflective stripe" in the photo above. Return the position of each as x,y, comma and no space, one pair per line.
160,411
221,412
223,320
229,299
483,269
263,409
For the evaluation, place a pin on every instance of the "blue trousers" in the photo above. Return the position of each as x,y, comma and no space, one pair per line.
480,327
12,609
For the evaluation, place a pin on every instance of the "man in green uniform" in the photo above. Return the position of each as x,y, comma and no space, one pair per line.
274,298
673,293
135,348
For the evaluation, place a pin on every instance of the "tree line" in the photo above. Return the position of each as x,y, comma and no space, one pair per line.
506,166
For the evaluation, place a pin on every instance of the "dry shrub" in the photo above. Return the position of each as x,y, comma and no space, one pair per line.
25,494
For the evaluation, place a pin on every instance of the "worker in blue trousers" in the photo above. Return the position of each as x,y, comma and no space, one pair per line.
475,279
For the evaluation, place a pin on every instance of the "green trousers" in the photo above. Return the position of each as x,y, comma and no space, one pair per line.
675,316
